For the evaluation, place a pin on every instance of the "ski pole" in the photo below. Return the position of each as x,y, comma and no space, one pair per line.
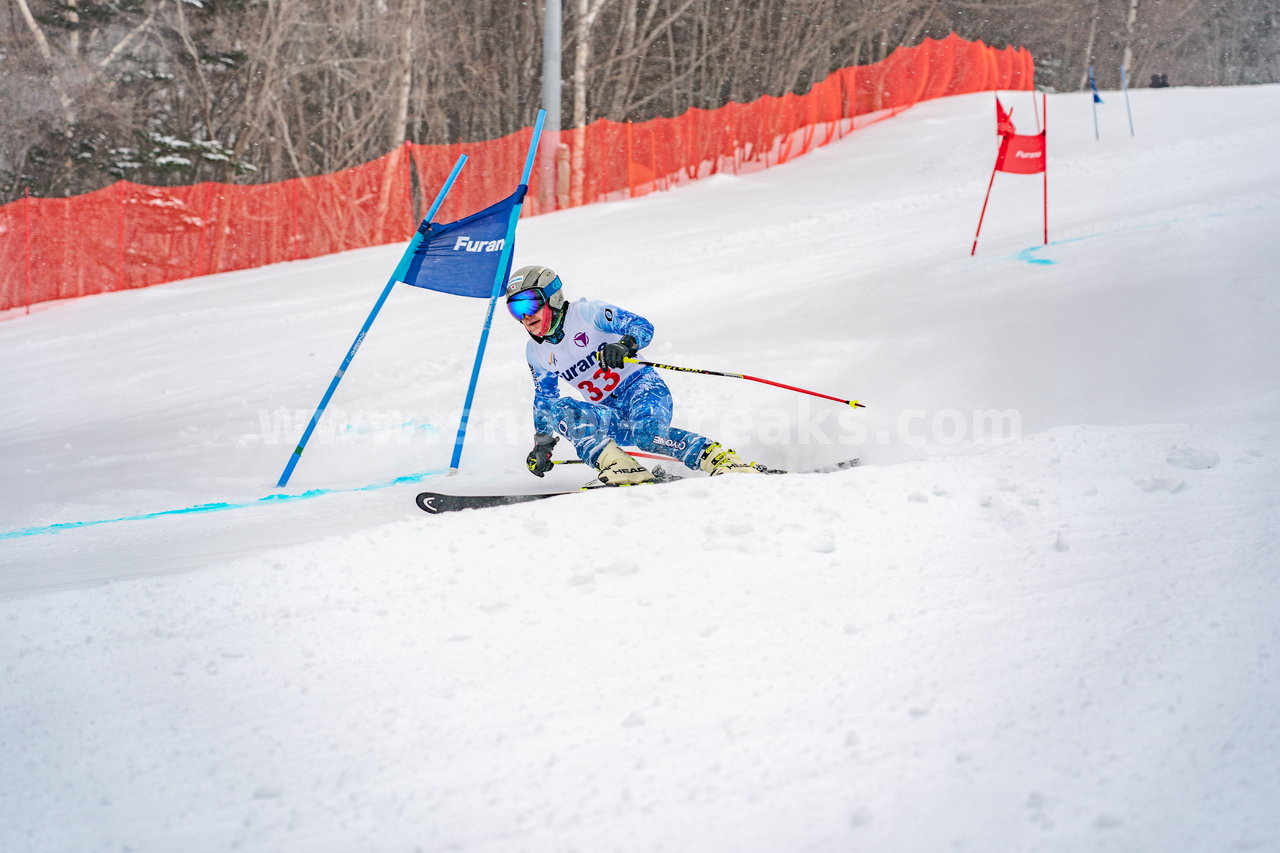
854,403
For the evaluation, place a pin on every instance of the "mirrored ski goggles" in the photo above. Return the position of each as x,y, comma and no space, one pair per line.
526,303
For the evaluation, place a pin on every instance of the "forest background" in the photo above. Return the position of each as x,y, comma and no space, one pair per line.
174,92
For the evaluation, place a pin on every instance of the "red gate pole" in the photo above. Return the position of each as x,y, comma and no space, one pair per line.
631,177
982,215
1045,164
120,238
26,249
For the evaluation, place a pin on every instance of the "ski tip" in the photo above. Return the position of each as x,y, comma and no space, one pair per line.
823,469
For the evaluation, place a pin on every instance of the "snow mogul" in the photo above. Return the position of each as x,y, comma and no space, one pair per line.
592,346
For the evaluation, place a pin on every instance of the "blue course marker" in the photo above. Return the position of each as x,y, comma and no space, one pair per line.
277,498
1028,255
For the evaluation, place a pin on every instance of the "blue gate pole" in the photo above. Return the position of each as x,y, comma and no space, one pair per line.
499,280
1093,88
1124,84
364,330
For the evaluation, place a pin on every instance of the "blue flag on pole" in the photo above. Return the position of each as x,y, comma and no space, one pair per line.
1097,99
461,257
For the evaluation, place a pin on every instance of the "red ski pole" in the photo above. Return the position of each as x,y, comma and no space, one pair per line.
854,403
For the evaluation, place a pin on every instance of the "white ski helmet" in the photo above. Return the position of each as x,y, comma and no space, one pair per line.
535,291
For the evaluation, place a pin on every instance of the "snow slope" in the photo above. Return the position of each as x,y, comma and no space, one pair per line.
1042,615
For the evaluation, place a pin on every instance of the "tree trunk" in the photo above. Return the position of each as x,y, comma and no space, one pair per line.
42,44
1127,61
402,78
587,11
1088,48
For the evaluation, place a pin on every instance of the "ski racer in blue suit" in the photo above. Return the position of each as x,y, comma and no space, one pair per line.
592,346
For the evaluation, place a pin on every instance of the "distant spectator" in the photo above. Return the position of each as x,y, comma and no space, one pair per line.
1159,81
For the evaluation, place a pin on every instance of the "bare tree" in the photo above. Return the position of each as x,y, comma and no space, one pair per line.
586,10
402,76
179,91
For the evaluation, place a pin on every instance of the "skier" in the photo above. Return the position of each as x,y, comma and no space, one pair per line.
586,343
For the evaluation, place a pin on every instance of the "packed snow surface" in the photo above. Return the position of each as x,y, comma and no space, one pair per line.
1043,614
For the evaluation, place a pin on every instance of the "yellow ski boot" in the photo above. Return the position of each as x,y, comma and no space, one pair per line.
718,460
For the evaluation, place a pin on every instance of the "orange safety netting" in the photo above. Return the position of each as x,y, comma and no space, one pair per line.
130,235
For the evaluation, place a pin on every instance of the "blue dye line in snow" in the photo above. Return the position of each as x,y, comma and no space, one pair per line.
216,507
1029,255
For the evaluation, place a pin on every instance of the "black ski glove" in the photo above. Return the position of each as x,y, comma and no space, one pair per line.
539,459
612,355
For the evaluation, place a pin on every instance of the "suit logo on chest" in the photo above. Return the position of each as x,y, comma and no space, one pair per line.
581,339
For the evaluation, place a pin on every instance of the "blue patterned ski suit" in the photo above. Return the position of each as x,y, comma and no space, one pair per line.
632,405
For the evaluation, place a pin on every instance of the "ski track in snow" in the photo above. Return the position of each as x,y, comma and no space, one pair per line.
1061,635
